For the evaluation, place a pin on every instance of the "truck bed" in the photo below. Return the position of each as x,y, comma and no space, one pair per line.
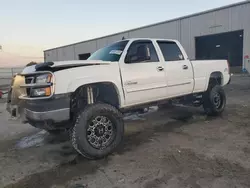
202,70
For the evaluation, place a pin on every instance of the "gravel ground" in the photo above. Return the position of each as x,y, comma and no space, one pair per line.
177,148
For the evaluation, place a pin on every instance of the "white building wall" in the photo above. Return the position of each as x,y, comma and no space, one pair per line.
184,29
245,24
51,55
226,20
102,42
114,38
84,47
65,53
169,30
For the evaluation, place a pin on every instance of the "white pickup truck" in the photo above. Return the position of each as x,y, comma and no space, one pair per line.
89,97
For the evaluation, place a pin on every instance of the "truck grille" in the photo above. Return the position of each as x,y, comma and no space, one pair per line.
29,80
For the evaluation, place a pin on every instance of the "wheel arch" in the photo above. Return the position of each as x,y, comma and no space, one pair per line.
105,88
215,78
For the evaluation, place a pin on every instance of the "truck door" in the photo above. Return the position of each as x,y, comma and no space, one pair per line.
143,75
179,70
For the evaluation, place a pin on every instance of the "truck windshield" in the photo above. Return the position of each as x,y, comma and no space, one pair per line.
110,53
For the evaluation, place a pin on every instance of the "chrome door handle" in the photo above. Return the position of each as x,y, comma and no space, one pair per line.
160,68
131,83
184,67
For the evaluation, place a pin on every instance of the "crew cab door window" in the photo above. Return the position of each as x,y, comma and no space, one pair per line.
170,51
142,51
142,79
179,71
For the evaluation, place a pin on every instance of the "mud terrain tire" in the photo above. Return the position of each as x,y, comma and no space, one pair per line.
214,100
96,124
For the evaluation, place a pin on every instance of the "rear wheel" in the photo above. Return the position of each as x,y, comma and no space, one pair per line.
98,131
214,100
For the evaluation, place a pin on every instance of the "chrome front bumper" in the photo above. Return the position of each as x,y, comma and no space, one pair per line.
55,116
54,109
48,114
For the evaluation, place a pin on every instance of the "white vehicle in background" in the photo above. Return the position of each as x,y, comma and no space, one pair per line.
89,97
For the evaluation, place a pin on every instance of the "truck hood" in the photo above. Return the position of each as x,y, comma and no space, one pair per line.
61,65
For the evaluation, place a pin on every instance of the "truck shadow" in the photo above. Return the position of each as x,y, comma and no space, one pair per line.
155,122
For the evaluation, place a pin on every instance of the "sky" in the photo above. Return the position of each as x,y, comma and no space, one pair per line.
28,27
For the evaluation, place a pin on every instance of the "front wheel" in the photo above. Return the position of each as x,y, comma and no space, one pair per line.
55,132
98,130
214,100
167,105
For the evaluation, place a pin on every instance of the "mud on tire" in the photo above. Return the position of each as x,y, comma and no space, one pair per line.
166,105
214,100
98,130
55,132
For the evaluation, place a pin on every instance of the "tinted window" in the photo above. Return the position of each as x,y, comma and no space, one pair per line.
170,51
84,56
110,53
135,46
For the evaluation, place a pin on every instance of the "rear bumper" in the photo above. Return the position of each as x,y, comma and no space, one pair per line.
229,80
230,77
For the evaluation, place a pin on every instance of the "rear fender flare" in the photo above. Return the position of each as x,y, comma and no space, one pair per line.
215,75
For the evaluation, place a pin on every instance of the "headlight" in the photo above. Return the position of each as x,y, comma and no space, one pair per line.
44,78
41,92
44,91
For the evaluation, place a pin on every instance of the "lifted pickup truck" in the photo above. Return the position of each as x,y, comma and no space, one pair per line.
89,97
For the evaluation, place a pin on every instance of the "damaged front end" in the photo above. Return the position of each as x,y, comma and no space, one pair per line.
23,87
32,94
14,104
36,102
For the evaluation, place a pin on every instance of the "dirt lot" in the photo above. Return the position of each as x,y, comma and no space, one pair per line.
177,148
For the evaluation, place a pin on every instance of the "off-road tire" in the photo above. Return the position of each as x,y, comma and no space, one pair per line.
79,130
55,132
210,105
166,105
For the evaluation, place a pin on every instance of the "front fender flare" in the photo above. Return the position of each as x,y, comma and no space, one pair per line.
75,84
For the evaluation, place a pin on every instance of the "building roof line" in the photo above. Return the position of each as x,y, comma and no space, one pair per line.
158,23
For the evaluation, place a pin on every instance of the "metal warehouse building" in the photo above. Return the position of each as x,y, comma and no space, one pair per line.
222,33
